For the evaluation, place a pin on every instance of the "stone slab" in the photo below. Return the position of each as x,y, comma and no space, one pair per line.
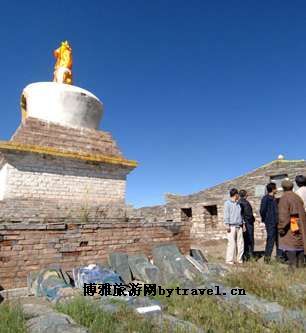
143,270
119,263
173,265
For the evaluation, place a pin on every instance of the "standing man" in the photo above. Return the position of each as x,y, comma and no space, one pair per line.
234,224
248,219
292,225
301,192
269,216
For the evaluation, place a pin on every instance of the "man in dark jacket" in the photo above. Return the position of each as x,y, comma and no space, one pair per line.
269,216
248,218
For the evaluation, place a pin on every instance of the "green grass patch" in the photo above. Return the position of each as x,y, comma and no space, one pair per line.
271,282
87,313
12,319
214,317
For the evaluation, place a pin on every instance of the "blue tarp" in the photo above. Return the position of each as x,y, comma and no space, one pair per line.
94,274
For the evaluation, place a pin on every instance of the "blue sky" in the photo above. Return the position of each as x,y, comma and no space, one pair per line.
196,91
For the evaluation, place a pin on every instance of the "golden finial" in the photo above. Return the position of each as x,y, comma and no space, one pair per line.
63,65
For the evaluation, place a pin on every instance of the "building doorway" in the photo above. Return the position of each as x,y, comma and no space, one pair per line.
186,214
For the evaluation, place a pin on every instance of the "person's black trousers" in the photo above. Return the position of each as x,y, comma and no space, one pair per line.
248,236
295,258
272,238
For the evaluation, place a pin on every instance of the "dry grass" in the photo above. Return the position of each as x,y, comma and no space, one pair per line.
267,281
214,317
272,282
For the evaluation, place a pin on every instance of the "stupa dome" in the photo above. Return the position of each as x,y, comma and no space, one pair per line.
61,103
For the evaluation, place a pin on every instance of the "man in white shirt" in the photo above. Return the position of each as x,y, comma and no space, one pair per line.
235,227
301,192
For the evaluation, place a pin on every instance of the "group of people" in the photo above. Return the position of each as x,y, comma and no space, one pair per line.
285,223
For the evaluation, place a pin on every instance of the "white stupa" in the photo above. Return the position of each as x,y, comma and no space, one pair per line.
62,104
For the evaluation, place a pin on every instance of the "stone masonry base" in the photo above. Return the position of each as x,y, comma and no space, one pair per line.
27,247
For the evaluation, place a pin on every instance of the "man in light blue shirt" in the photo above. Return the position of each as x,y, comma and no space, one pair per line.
235,226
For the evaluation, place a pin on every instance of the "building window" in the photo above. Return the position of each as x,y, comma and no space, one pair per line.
186,214
278,180
210,215
211,210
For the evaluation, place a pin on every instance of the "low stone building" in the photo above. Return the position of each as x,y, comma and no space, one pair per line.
204,210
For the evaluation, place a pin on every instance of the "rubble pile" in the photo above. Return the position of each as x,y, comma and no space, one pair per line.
167,266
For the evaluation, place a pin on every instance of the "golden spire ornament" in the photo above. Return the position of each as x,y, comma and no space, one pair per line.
63,65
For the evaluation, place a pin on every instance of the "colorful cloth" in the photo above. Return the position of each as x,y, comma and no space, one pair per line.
94,274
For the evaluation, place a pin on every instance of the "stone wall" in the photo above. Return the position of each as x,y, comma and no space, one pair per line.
48,161
213,199
45,177
54,211
27,247
3,180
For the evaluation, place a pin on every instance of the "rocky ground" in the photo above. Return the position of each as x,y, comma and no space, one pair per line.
275,302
